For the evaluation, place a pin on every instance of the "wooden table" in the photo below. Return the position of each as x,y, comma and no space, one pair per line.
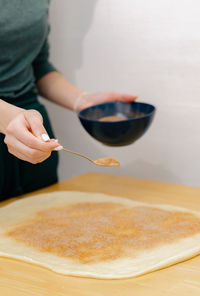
23,279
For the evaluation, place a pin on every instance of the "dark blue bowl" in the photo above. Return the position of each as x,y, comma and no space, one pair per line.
117,133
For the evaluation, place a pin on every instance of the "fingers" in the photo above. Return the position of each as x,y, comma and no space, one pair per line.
27,138
103,97
125,98
25,133
35,121
23,152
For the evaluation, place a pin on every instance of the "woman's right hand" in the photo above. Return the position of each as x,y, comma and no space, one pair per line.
24,137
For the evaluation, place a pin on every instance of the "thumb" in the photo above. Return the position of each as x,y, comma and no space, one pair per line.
35,122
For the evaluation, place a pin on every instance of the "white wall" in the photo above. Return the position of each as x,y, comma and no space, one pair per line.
148,48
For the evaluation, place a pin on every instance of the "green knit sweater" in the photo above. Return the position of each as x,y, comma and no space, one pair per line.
24,48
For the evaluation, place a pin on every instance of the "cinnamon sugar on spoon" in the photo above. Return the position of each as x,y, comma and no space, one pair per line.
109,161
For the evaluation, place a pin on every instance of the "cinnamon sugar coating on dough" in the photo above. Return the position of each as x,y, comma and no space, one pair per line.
96,232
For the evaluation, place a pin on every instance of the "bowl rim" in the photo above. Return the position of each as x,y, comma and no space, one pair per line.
114,121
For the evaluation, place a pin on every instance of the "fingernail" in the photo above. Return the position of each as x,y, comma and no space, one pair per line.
58,148
45,137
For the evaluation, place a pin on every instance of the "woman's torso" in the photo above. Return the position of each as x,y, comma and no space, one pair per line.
23,29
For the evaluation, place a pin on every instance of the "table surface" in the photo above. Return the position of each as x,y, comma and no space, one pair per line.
23,279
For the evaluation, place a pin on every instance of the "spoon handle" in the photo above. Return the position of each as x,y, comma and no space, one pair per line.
77,154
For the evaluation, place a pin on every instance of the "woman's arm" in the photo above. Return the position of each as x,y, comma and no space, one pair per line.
7,113
56,88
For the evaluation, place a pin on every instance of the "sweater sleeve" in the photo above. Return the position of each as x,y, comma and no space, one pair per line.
41,64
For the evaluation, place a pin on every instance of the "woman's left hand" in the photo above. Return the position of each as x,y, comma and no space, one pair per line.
89,99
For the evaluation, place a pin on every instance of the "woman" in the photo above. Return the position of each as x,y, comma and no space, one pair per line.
26,137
